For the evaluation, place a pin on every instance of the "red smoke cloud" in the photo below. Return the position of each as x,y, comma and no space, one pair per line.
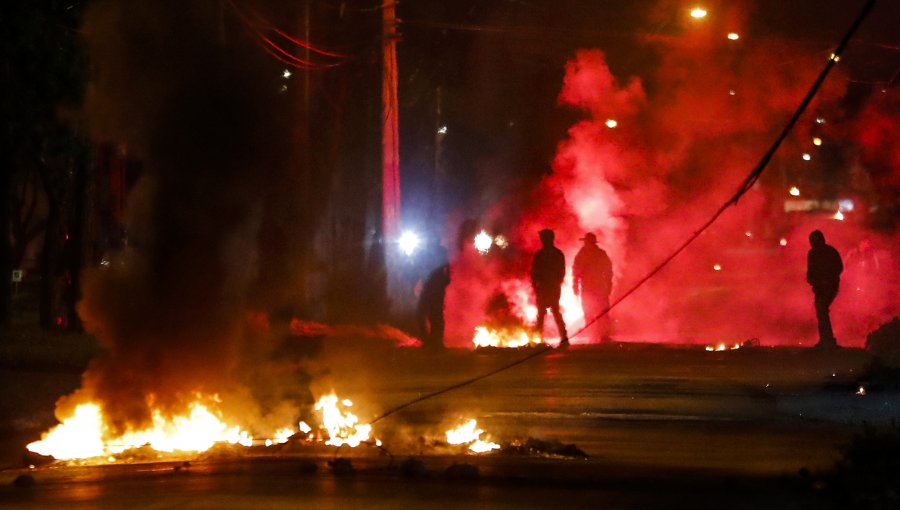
685,136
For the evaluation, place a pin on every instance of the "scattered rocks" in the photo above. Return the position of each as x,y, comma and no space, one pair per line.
341,466
466,472
413,468
538,447
23,482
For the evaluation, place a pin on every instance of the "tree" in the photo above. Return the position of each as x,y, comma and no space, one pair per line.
42,71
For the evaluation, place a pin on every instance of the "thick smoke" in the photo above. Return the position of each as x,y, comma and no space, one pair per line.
685,136
175,309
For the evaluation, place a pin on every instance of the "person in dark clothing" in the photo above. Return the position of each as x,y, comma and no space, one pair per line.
548,269
430,309
592,280
823,273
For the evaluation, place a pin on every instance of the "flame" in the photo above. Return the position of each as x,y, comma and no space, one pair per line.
521,299
486,337
281,436
343,427
84,434
469,433
722,347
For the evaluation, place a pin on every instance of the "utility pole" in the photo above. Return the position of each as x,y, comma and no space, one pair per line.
390,160
390,139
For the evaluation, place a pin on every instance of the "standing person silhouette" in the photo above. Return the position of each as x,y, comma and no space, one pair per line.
430,309
548,269
823,273
592,279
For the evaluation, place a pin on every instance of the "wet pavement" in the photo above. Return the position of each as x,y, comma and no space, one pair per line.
674,427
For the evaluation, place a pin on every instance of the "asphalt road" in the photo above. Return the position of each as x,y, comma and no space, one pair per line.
661,426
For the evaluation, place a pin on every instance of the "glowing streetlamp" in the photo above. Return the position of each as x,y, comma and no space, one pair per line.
698,13
794,191
611,123
817,141
717,267
783,242
806,156
733,36
483,242
408,242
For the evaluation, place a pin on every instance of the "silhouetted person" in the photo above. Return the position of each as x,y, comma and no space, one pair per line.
592,279
823,272
430,310
548,269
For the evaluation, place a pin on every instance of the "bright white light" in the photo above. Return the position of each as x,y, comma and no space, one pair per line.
698,13
286,74
846,204
483,242
839,216
820,120
733,36
783,242
836,58
611,123
717,267
409,241
817,141
806,156
442,130
748,233
794,191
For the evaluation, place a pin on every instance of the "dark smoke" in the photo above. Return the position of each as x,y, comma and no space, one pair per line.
200,106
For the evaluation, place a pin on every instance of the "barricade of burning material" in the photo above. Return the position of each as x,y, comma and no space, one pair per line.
503,328
84,437
723,346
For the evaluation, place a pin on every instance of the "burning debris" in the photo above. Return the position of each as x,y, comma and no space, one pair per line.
85,435
469,434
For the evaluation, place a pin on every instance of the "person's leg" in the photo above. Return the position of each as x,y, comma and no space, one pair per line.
560,324
826,334
539,325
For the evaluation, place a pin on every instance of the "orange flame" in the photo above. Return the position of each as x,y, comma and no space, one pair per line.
468,433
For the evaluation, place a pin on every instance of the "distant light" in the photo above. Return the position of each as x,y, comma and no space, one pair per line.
283,89
783,242
861,391
820,120
611,123
846,204
409,241
836,58
483,242
732,92
733,36
839,216
817,141
501,242
717,267
442,130
794,191
748,234
806,156
286,74
698,13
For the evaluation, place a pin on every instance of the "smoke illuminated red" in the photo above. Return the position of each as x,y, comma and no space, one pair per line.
686,136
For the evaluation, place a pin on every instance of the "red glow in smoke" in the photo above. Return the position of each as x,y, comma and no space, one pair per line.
674,158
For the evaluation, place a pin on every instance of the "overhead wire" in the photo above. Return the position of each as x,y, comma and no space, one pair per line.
744,187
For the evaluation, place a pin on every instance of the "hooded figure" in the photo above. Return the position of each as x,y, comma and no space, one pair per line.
592,280
548,269
823,273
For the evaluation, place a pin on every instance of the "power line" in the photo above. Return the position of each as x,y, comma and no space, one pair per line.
745,186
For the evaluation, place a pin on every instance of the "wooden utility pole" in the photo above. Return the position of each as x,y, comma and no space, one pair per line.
390,139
